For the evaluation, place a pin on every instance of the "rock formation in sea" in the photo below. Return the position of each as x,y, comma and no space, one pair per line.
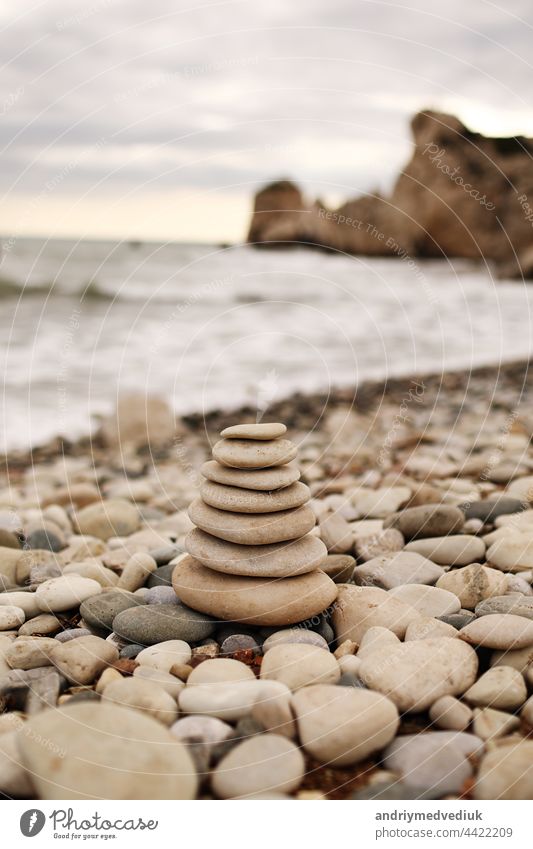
462,194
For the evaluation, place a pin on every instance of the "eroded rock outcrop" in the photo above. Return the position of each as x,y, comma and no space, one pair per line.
461,194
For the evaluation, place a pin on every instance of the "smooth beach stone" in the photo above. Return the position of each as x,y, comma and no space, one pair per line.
29,653
513,552
105,577
396,570
474,583
431,520
100,610
360,608
157,623
40,626
341,726
336,534
208,729
458,620
277,560
300,665
339,567
264,763
506,773
379,503
429,601
221,670
81,661
490,509
263,430
500,631
435,761
160,595
247,529
501,688
104,751
229,701
104,519
170,684
254,454
427,628
515,604
367,547
376,637
15,781
11,617
27,601
161,577
458,550
239,642
415,674
449,713
521,489
238,500
293,636
72,634
273,711
136,572
490,724
256,601
64,593
263,480
142,695
519,659
165,655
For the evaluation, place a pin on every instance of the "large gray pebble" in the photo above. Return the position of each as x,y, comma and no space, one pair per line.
100,610
155,623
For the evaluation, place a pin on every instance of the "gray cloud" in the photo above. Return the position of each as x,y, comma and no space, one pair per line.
235,93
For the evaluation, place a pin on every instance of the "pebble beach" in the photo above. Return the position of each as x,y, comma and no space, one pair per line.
335,604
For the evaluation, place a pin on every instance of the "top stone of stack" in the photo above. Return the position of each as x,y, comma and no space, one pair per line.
252,556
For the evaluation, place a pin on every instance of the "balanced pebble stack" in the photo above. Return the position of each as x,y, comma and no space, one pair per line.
252,557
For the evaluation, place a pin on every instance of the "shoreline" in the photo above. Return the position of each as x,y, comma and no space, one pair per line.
305,411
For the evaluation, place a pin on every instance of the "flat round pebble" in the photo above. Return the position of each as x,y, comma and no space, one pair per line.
263,480
160,595
100,611
295,635
254,454
208,729
261,764
277,560
299,665
165,655
64,593
11,617
238,642
501,631
429,601
144,696
262,430
155,623
240,500
415,674
340,726
72,634
248,529
108,753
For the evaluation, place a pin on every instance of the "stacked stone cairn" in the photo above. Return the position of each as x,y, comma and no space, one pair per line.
251,557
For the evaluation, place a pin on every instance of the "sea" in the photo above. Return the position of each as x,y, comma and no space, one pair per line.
212,326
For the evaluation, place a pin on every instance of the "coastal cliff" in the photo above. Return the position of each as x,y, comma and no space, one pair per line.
461,194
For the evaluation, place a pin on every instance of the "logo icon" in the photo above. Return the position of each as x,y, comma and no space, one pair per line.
32,822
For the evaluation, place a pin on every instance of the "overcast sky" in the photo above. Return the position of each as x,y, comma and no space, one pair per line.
160,119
